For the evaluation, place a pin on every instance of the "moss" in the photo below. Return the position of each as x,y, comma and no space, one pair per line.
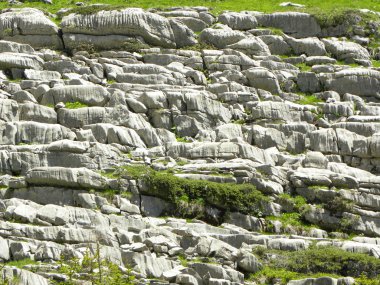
308,100
304,67
75,105
181,139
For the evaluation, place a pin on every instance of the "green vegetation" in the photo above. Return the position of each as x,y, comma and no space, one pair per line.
303,67
181,139
328,12
298,202
21,263
270,274
94,269
376,63
188,194
75,105
317,262
290,219
308,100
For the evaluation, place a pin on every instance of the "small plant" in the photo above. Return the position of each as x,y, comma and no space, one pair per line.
303,67
93,268
75,105
308,100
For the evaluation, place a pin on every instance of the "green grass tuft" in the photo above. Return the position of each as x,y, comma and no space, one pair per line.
75,105
308,100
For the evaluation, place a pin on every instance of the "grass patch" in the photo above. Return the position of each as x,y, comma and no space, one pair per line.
21,263
181,139
326,12
179,191
271,274
308,100
303,67
330,261
75,105
376,63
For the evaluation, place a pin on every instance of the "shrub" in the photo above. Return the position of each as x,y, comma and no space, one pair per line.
179,191
329,260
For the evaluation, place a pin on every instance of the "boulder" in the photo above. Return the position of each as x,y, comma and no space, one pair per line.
66,177
148,266
238,21
296,24
29,26
10,60
153,28
220,36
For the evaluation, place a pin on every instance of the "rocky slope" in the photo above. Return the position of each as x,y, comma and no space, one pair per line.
189,148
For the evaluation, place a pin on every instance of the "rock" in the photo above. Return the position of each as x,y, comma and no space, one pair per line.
88,95
251,46
24,276
291,23
29,26
67,177
248,262
24,213
287,244
41,75
356,81
308,46
153,28
220,36
262,78
245,221
345,50
10,60
53,214
238,21
4,250
147,265
8,46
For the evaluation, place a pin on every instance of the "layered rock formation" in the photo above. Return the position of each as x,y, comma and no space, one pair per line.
190,159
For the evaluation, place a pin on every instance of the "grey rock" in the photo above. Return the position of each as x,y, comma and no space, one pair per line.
60,176
10,60
291,23
153,28
238,21
221,36
147,265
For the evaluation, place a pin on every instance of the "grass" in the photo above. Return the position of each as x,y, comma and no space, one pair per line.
290,219
308,100
376,63
21,263
182,139
75,105
326,12
270,274
316,262
303,67
186,193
